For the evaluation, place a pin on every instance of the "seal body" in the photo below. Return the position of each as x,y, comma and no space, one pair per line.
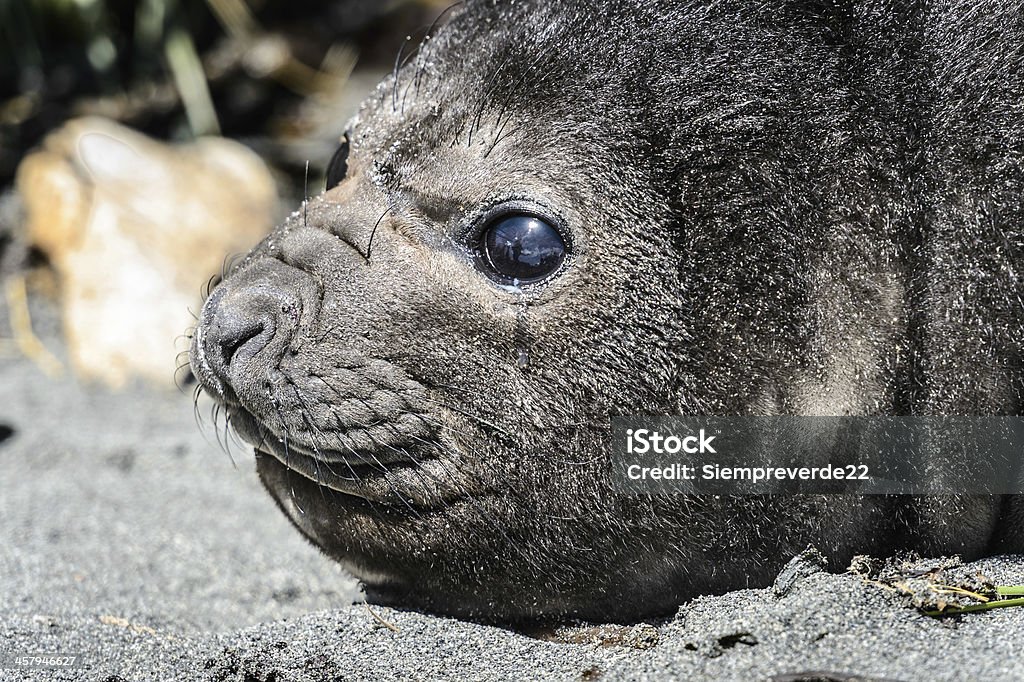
717,208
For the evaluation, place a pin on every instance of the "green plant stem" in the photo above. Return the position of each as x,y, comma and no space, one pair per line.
997,604
1010,590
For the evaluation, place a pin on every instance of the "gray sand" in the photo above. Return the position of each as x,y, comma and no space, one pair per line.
130,539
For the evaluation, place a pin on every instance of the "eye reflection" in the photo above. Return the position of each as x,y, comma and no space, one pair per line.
521,247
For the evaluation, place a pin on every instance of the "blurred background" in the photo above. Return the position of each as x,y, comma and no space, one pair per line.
142,142
274,74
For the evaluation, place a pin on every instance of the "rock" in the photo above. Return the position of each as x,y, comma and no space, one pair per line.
806,563
133,227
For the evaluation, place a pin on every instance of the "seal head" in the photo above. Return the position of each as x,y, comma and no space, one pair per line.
553,214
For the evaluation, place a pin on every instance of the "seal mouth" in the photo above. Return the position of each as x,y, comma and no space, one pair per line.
402,482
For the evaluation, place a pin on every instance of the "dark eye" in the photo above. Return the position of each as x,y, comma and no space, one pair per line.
520,248
338,166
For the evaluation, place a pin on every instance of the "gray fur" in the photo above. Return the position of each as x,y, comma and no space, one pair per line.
774,208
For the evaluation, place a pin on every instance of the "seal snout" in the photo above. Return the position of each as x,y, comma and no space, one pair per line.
245,327
244,322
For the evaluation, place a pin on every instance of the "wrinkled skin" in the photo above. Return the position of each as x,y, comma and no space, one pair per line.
811,208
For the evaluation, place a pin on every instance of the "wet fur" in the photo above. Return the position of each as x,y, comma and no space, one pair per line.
775,208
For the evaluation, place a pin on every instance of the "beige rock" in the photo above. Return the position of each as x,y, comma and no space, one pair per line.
134,228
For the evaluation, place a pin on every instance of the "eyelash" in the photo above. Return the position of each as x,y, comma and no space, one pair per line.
494,211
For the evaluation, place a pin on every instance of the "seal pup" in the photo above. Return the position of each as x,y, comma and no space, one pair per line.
554,213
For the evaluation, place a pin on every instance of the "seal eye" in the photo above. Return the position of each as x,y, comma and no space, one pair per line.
520,248
338,167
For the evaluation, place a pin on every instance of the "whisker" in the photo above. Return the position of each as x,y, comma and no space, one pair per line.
394,73
477,419
369,244
303,412
181,381
227,444
195,406
365,429
421,63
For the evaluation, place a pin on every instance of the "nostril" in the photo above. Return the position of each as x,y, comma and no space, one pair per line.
229,345
240,337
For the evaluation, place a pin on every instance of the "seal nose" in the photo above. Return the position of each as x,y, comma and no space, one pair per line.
244,323
242,330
